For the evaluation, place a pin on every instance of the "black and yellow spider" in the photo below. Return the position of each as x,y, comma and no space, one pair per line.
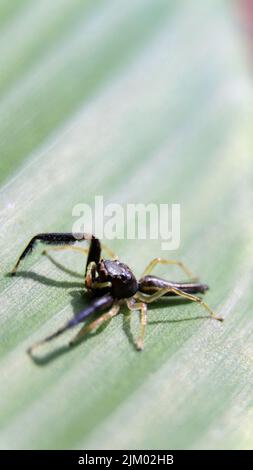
112,284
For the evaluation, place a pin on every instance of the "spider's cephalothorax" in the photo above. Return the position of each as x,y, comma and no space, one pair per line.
122,283
112,283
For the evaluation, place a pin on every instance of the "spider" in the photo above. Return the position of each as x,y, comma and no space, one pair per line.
112,284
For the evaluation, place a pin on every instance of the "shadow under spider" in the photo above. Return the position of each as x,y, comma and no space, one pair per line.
45,280
62,267
51,282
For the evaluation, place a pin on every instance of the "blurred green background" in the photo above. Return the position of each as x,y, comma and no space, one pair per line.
141,101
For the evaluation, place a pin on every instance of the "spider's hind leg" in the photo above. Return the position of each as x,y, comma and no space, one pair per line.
174,291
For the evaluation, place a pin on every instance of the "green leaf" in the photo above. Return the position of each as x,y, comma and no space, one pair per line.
137,101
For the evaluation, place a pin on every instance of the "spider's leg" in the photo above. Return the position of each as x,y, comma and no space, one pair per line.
180,293
156,261
82,250
96,306
63,239
132,305
94,253
96,323
109,252
90,274
78,249
90,278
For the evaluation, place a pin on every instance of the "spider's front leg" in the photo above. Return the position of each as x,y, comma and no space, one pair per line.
63,240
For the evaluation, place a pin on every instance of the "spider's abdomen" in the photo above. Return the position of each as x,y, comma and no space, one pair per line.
124,283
